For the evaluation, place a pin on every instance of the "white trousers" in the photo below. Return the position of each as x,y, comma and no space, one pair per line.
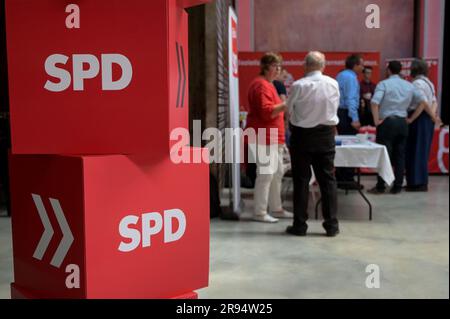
269,175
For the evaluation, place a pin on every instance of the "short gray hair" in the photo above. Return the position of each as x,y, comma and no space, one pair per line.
315,59
419,67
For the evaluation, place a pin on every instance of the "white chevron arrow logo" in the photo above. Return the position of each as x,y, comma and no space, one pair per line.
67,239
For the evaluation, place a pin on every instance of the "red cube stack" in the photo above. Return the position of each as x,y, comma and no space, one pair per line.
99,210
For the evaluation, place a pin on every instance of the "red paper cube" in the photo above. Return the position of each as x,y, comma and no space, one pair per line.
124,227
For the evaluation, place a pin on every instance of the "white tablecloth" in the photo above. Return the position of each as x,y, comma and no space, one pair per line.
353,153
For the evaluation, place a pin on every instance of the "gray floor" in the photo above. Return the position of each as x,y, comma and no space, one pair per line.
6,263
408,239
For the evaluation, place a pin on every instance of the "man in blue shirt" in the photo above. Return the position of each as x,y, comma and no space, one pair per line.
348,112
390,103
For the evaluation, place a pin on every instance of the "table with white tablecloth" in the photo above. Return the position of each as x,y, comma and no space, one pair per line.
359,152
355,152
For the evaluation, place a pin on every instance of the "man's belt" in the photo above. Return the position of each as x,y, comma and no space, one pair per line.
395,117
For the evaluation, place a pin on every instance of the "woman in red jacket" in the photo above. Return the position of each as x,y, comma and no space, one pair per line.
266,113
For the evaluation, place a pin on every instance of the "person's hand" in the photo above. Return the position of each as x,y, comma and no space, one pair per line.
379,123
368,96
283,107
409,121
437,121
356,125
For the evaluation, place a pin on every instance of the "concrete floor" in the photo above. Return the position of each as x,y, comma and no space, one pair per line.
408,239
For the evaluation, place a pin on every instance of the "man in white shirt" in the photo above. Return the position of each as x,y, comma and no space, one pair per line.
313,105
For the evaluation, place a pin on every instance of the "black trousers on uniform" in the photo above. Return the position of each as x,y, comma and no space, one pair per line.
393,133
316,147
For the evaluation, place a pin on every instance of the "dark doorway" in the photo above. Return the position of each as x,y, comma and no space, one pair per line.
5,139
446,67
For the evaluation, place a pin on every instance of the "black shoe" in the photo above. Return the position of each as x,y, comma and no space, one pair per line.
331,227
396,190
376,191
332,233
422,188
296,231
227,214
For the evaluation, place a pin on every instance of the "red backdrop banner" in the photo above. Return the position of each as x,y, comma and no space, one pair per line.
293,63
439,152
